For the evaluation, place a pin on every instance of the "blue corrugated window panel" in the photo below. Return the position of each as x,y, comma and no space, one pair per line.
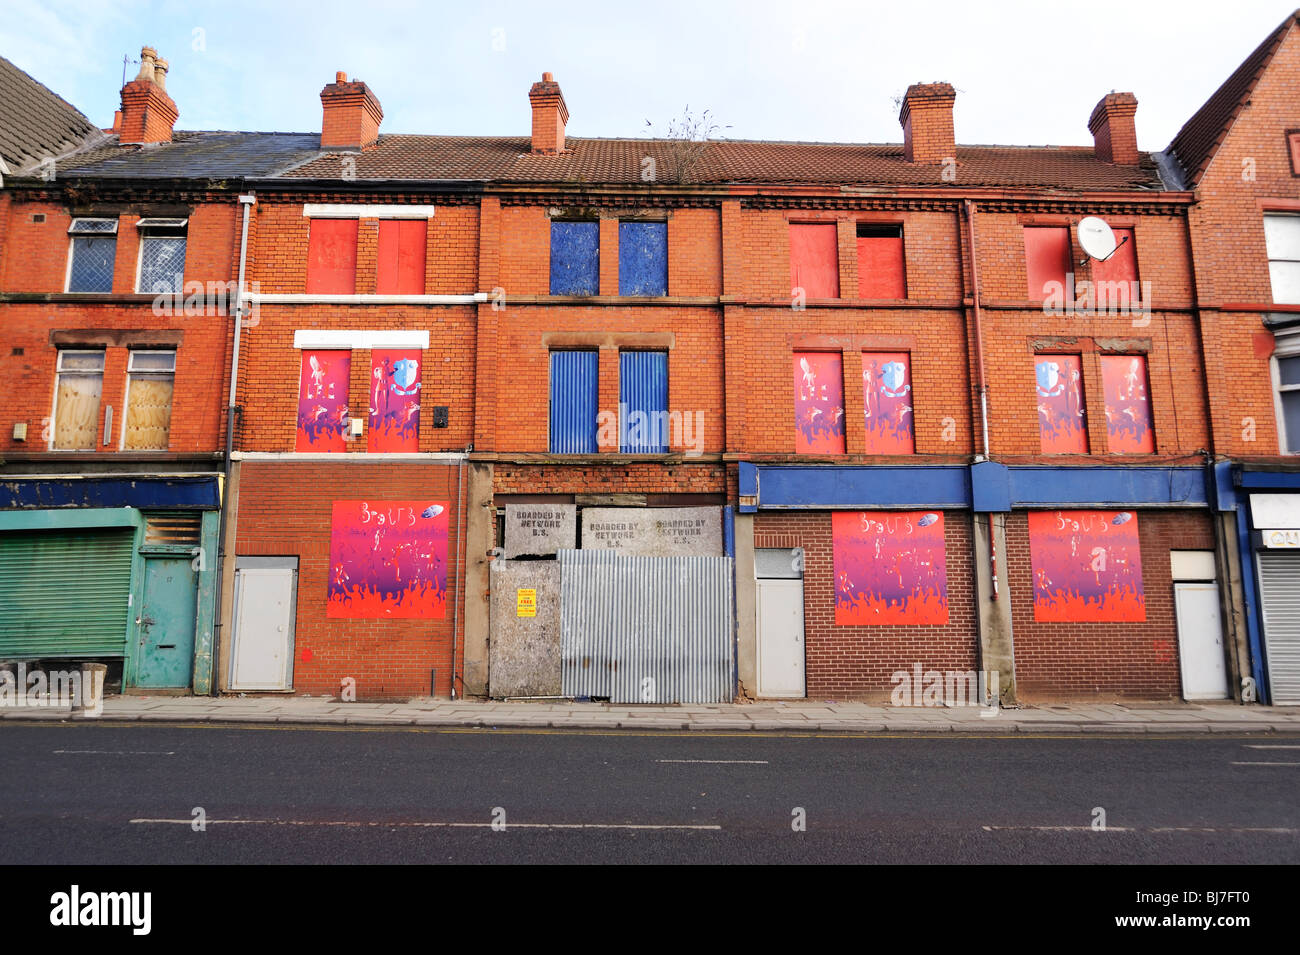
573,401
575,258
643,258
643,402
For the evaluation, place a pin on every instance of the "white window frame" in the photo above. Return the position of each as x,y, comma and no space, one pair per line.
145,229
54,405
73,233
1293,217
126,394
1286,344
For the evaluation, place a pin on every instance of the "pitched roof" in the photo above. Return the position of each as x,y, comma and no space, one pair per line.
35,123
1201,136
622,161
607,162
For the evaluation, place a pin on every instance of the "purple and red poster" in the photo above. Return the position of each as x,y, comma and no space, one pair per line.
388,559
394,400
1087,566
1062,417
818,403
887,402
323,401
1128,409
890,568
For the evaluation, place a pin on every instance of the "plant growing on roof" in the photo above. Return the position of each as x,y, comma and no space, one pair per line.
687,140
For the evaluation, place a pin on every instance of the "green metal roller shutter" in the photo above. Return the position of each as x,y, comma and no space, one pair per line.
64,593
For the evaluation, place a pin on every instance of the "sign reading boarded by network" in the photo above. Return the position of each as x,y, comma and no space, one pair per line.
654,531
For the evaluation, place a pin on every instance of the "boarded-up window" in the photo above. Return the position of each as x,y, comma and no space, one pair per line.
575,258
323,401
887,402
643,398
401,256
76,400
1282,236
1062,416
394,400
150,379
1128,405
332,257
818,403
1121,266
814,260
881,270
1047,259
573,401
643,258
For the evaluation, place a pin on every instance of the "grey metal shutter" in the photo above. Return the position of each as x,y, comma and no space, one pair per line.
64,593
1279,586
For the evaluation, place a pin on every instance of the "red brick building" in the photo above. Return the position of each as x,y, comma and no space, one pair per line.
849,412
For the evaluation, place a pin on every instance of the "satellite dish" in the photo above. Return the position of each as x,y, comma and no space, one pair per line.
1096,238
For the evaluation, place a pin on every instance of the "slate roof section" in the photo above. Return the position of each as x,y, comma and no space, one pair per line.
1201,136
36,123
197,155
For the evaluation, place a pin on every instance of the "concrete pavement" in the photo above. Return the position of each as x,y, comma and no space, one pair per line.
769,716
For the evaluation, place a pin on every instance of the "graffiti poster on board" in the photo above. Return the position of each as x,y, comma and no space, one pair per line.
887,402
394,400
1062,417
818,403
1087,566
1128,407
388,559
323,401
890,568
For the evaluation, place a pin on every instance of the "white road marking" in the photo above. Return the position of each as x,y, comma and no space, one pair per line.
1264,764
1270,746
723,762
418,825
1273,829
112,752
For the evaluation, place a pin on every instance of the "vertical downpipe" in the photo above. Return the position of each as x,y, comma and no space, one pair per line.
247,201
464,565
983,384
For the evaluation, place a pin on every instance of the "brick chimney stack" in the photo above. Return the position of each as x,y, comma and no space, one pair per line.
927,122
352,115
148,113
1113,129
550,116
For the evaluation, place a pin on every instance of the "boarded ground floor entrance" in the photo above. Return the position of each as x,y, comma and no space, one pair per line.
646,629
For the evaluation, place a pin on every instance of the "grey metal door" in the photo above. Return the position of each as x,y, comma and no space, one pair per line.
646,629
265,601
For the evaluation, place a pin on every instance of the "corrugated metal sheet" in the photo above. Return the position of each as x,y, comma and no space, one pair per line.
1279,586
643,258
64,593
646,629
575,258
643,399
573,401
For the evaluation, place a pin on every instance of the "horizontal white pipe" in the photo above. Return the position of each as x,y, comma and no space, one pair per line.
364,210
350,457
360,338
307,298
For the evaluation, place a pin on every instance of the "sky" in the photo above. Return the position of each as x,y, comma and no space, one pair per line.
1026,73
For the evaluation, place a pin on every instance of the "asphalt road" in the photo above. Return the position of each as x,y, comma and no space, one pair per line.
105,793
